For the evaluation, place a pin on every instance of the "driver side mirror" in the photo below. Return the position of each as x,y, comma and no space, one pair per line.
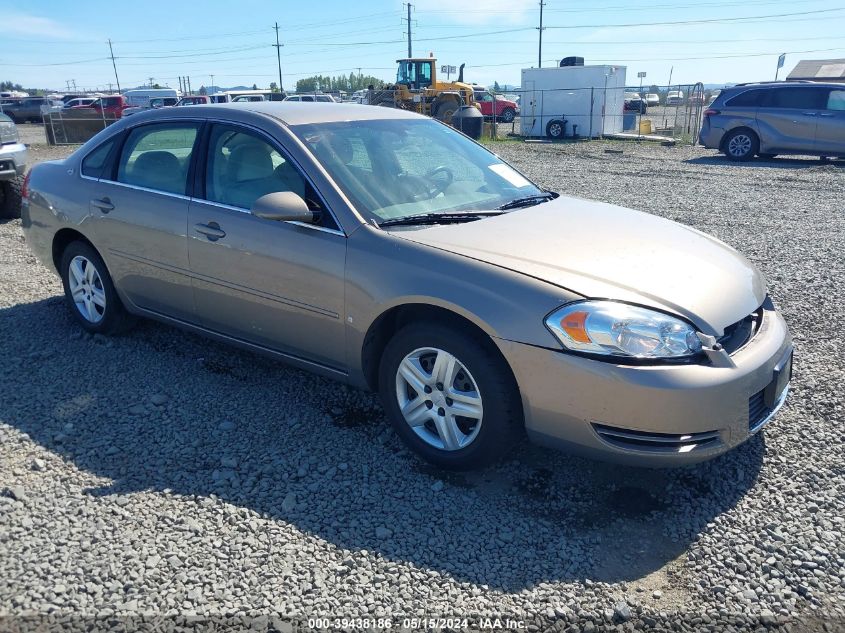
283,206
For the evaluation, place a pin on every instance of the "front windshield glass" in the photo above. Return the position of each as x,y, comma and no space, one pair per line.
405,74
392,168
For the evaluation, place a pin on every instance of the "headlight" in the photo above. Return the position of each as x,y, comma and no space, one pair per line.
617,329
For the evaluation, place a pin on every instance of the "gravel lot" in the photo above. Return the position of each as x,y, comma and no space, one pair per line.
161,474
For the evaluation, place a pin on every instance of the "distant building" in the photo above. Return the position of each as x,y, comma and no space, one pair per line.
819,70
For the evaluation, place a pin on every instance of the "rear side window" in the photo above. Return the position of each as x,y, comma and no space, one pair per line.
158,156
747,99
836,100
797,98
92,165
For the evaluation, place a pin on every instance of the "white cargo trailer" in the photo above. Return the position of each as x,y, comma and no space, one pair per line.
591,97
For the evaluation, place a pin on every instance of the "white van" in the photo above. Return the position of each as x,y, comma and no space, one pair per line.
141,97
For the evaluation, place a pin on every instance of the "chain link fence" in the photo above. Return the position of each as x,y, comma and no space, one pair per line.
74,126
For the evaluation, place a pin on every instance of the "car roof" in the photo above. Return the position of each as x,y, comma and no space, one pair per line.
783,84
293,112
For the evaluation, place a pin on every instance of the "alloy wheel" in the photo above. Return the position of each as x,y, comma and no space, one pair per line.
439,399
739,145
86,289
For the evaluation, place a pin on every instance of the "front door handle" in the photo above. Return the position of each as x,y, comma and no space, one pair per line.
809,113
103,204
211,230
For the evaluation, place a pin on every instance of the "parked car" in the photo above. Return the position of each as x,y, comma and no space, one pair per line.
635,103
311,98
154,103
194,100
768,119
29,109
78,101
13,157
504,109
111,106
389,251
652,99
675,98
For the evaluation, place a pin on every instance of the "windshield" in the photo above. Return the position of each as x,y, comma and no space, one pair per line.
392,168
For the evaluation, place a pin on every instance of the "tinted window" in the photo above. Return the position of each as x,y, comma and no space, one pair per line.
92,165
747,99
158,156
242,167
796,98
836,100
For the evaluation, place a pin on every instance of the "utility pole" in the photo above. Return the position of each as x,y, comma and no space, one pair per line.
73,81
279,56
190,90
67,81
540,48
111,53
179,78
409,29
151,82
110,85
211,87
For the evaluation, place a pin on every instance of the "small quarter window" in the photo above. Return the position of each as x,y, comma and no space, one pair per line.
92,165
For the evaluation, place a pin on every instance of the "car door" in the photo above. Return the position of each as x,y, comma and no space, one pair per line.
279,285
788,116
830,129
140,214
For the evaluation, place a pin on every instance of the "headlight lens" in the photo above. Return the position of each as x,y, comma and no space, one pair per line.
617,329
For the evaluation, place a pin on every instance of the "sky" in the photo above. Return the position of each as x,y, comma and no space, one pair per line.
51,42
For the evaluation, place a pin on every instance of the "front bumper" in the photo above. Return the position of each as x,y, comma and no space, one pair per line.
653,415
12,161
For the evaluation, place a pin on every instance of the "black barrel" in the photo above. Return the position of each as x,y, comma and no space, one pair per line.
468,120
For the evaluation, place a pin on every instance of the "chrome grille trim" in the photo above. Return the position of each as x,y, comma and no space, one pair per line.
645,441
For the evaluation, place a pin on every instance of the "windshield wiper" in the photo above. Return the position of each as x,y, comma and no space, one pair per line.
438,218
527,201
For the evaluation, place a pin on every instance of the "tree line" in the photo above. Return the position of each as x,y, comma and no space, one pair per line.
348,83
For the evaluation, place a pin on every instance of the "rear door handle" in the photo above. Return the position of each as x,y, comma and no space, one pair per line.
809,113
827,114
211,230
103,204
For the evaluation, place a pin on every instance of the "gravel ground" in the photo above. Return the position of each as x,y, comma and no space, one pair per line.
162,474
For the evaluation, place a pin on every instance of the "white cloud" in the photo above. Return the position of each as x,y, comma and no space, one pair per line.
33,25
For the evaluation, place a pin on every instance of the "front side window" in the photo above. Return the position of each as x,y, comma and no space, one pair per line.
242,167
158,156
393,168
836,100
406,74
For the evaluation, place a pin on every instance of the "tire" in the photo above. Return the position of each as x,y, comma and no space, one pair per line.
471,441
555,129
10,198
508,115
107,317
445,110
741,145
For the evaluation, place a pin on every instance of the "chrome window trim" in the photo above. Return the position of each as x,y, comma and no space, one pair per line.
229,207
140,188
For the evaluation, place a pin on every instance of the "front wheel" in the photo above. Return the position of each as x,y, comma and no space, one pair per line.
10,198
741,145
450,398
89,291
508,115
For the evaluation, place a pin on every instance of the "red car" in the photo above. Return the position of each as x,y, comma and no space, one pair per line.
506,111
113,105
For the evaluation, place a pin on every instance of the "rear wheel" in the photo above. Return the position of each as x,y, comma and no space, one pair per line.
741,145
10,198
449,397
445,110
89,291
555,129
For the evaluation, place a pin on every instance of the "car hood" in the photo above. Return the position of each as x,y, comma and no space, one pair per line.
603,251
